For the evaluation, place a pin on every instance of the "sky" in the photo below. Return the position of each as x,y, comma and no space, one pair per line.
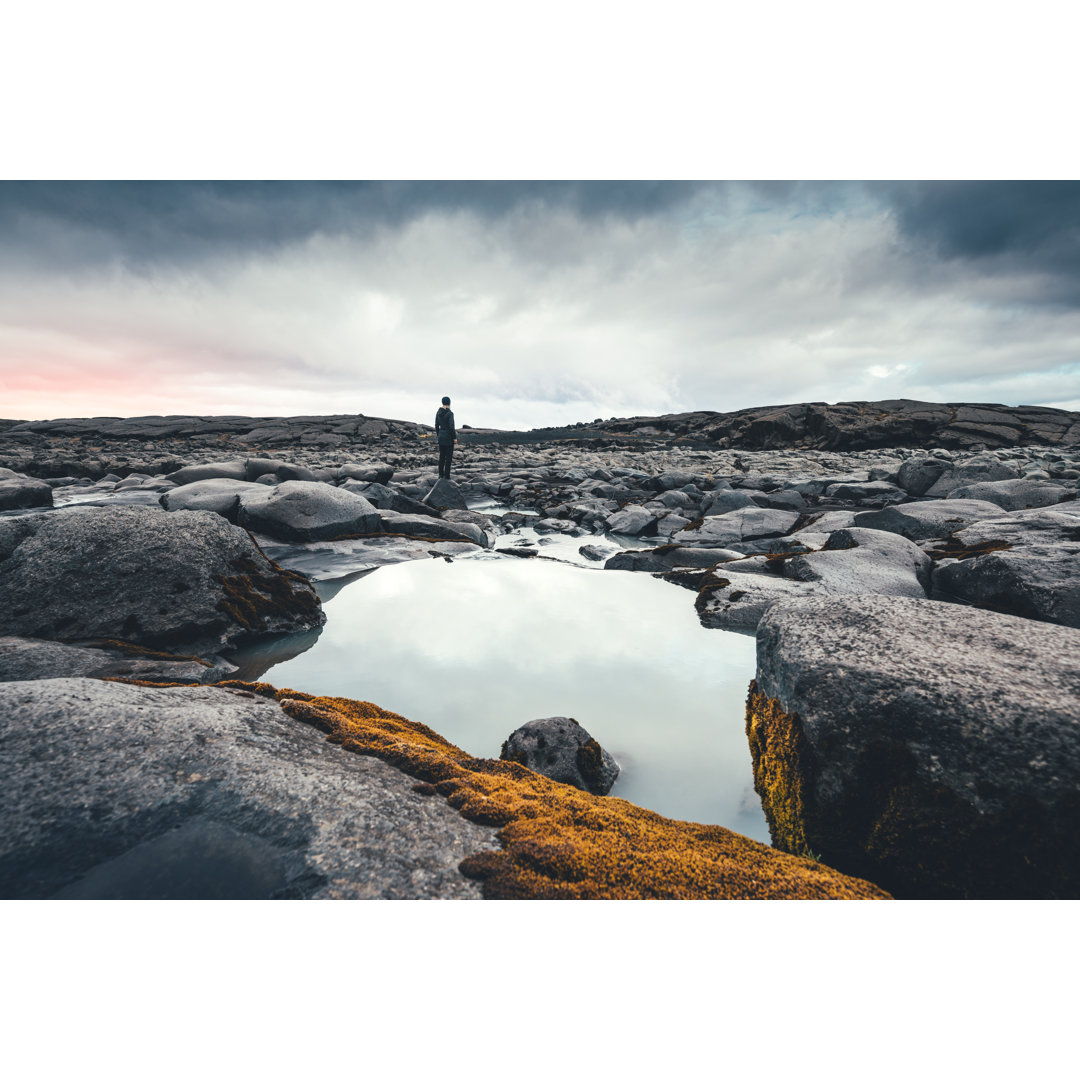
533,303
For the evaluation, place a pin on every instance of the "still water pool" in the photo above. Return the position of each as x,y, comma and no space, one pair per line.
478,646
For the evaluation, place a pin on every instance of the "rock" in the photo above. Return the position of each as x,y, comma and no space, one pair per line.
213,470
220,496
917,475
301,511
862,561
376,473
749,523
185,580
979,469
934,747
737,600
1021,494
643,561
419,526
445,495
1025,564
723,502
632,521
228,798
33,658
559,748
927,520
593,553
866,491
23,493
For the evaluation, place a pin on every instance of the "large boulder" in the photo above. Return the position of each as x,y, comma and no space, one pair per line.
1026,563
918,474
559,748
1021,494
213,470
118,791
303,510
218,495
723,502
632,521
24,493
187,580
981,468
928,520
930,747
445,495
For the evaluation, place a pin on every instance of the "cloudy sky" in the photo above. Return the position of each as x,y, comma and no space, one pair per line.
533,303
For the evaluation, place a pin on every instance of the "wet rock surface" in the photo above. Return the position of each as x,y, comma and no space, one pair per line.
931,747
559,748
115,791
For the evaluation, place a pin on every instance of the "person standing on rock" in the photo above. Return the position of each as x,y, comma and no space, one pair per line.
447,436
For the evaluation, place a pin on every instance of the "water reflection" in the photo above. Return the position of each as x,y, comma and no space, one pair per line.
477,646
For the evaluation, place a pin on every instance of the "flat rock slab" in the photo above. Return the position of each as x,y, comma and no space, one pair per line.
32,658
928,520
749,523
931,748
118,791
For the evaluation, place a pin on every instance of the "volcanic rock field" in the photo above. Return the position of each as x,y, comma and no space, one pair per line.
911,571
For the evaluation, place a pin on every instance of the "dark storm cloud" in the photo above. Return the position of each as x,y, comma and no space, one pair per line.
80,222
1021,226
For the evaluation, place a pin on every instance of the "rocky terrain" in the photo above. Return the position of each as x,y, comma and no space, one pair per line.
912,572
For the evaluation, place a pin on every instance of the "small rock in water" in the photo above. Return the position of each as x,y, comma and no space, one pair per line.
559,748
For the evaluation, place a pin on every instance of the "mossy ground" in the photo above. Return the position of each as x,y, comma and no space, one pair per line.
562,843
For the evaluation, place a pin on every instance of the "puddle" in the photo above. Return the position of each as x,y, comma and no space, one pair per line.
478,646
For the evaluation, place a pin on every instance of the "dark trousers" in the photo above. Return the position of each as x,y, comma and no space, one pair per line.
445,454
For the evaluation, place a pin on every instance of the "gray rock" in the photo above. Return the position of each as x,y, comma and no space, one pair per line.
213,470
220,496
1022,494
723,502
632,521
33,658
419,526
228,798
749,523
1026,564
445,495
928,747
781,500
917,475
301,510
187,580
927,520
559,748
643,561
863,561
738,600
865,491
22,493
593,553
377,472
978,469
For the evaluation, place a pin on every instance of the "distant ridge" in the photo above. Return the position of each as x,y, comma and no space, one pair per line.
847,425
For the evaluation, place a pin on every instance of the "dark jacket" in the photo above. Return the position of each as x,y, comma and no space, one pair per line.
444,426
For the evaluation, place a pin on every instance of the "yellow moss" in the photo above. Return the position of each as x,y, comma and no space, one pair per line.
559,842
151,654
779,751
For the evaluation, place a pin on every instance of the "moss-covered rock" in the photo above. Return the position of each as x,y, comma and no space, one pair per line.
562,843
932,748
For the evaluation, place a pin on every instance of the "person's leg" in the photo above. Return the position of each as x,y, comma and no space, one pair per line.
449,452
444,462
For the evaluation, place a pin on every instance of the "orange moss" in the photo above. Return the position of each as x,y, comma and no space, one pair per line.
780,753
252,595
151,654
559,842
